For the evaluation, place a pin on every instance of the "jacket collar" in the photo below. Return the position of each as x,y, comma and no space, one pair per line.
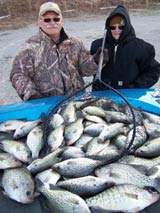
63,36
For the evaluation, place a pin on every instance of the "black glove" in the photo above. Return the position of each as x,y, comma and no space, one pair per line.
97,56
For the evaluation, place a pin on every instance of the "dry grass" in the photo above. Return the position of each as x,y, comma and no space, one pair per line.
15,14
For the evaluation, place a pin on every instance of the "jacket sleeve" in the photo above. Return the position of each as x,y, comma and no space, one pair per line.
148,66
22,72
87,64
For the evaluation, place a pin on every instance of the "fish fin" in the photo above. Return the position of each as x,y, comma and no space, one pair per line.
5,194
97,209
152,171
141,168
38,185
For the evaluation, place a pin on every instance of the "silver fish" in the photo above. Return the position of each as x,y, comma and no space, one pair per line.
95,119
119,141
139,139
73,131
94,130
46,162
77,167
82,141
151,117
94,110
93,146
9,161
62,201
35,141
111,131
17,149
25,128
152,129
149,149
48,177
114,116
125,198
10,125
68,112
56,121
72,152
84,186
18,185
125,174
55,138
133,160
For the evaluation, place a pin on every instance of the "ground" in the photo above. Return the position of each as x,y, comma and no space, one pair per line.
87,28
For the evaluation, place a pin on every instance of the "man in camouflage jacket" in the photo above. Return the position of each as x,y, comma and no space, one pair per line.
51,63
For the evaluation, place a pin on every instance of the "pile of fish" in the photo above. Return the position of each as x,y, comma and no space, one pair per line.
76,173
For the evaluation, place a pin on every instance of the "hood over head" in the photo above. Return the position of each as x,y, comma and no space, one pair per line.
120,16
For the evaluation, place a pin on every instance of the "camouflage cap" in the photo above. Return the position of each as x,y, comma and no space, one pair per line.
49,6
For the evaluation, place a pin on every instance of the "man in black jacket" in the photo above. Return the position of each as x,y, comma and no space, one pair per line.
131,61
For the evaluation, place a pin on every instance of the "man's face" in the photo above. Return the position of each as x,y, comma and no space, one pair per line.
51,23
116,30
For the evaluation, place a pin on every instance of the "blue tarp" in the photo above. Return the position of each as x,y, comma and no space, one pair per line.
31,110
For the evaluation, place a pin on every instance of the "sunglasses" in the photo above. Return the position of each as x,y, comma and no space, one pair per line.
47,20
114,27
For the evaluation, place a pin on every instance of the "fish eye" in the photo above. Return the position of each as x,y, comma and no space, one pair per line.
28,193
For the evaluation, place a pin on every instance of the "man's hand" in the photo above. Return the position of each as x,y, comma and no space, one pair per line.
31,94
97,56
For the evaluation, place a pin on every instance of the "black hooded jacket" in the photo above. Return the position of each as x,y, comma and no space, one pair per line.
133,64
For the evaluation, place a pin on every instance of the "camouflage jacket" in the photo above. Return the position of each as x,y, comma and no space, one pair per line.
44,68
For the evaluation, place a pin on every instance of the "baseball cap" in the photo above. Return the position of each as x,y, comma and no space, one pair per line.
117,20
49,6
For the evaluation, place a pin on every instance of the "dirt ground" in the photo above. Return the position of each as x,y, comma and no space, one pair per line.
87,27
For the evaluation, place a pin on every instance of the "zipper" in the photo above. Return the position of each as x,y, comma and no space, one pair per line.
115,52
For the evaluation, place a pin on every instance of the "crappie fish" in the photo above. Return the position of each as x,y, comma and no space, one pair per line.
62,201
76,167
94,146
94,129
125,198
25,128
149,149
48,177
118,173
95,119
94,110
119,141
84,186
44,163
133,160
152,129
111,131
55,138
56,120
9,161
17,149
35,141
117,117
83,140
18,185
72,152
73,131
151,117
10,125
139,139
68,112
